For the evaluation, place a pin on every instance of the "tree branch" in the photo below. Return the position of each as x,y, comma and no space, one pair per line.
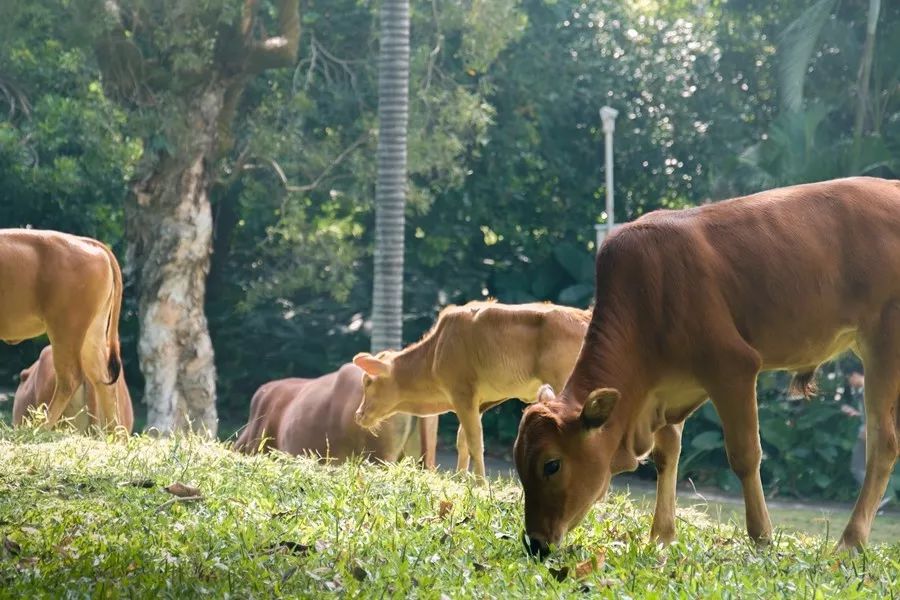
276,168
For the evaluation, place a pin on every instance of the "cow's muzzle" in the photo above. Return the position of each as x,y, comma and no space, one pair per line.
536,546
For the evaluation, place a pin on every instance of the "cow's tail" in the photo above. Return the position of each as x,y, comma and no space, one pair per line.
804,384
114,362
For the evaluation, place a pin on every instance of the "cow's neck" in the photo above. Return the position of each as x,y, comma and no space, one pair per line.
420,393
610,359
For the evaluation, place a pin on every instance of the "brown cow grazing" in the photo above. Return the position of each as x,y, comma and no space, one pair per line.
315,416
70,288
475,357
36,384
695,303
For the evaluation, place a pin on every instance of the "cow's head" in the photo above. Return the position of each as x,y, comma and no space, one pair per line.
562,463
380,391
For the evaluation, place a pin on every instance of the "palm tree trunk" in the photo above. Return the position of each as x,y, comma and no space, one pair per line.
862,84
390,187
390,193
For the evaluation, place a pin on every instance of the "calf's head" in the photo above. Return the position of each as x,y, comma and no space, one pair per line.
381,393
563,463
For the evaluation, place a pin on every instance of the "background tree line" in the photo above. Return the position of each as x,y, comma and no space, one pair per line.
126,121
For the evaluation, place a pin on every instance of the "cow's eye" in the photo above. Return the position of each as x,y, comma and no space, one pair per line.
551,467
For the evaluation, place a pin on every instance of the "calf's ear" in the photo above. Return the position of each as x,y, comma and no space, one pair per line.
599,404
545,393
371,365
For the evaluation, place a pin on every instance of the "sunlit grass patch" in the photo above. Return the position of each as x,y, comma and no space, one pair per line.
89,517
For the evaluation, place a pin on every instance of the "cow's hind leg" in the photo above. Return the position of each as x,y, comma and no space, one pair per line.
666,449
67,364
880,350
95,364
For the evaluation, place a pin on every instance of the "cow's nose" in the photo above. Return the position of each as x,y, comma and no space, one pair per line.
536,546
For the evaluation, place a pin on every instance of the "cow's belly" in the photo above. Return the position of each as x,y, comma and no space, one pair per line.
15,327
526,391
805,350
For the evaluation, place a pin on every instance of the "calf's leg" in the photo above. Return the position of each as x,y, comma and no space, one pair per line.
666,450
462,450
470,423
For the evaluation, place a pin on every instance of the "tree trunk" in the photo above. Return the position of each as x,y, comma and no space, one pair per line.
169,221
390,187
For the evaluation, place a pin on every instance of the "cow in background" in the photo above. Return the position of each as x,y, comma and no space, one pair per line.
36,384
316,417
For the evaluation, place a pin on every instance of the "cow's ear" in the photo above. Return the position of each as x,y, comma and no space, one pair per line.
371,365
545,393
599,404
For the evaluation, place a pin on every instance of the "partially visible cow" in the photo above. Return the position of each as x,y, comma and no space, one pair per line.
36,384
695,303
70,288
315,416
475,357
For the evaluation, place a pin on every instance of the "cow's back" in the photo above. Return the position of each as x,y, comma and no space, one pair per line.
267,408
793,272
321,421
507,351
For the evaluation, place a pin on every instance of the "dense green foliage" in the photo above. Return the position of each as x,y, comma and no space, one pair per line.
81,517
505,154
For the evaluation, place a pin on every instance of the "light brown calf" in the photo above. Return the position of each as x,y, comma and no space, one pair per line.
36,385
694,304
315,416
475,357
70,288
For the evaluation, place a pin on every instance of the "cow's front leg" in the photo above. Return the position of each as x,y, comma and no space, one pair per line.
470,422
666,450
733,394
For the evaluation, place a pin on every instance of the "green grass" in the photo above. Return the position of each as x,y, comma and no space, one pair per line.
75,521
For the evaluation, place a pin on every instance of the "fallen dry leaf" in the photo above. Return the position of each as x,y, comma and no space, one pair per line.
183,491
595,563
445,508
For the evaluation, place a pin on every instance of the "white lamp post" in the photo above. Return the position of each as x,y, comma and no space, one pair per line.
608,116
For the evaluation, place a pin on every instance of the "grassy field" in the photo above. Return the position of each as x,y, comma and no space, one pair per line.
82,517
